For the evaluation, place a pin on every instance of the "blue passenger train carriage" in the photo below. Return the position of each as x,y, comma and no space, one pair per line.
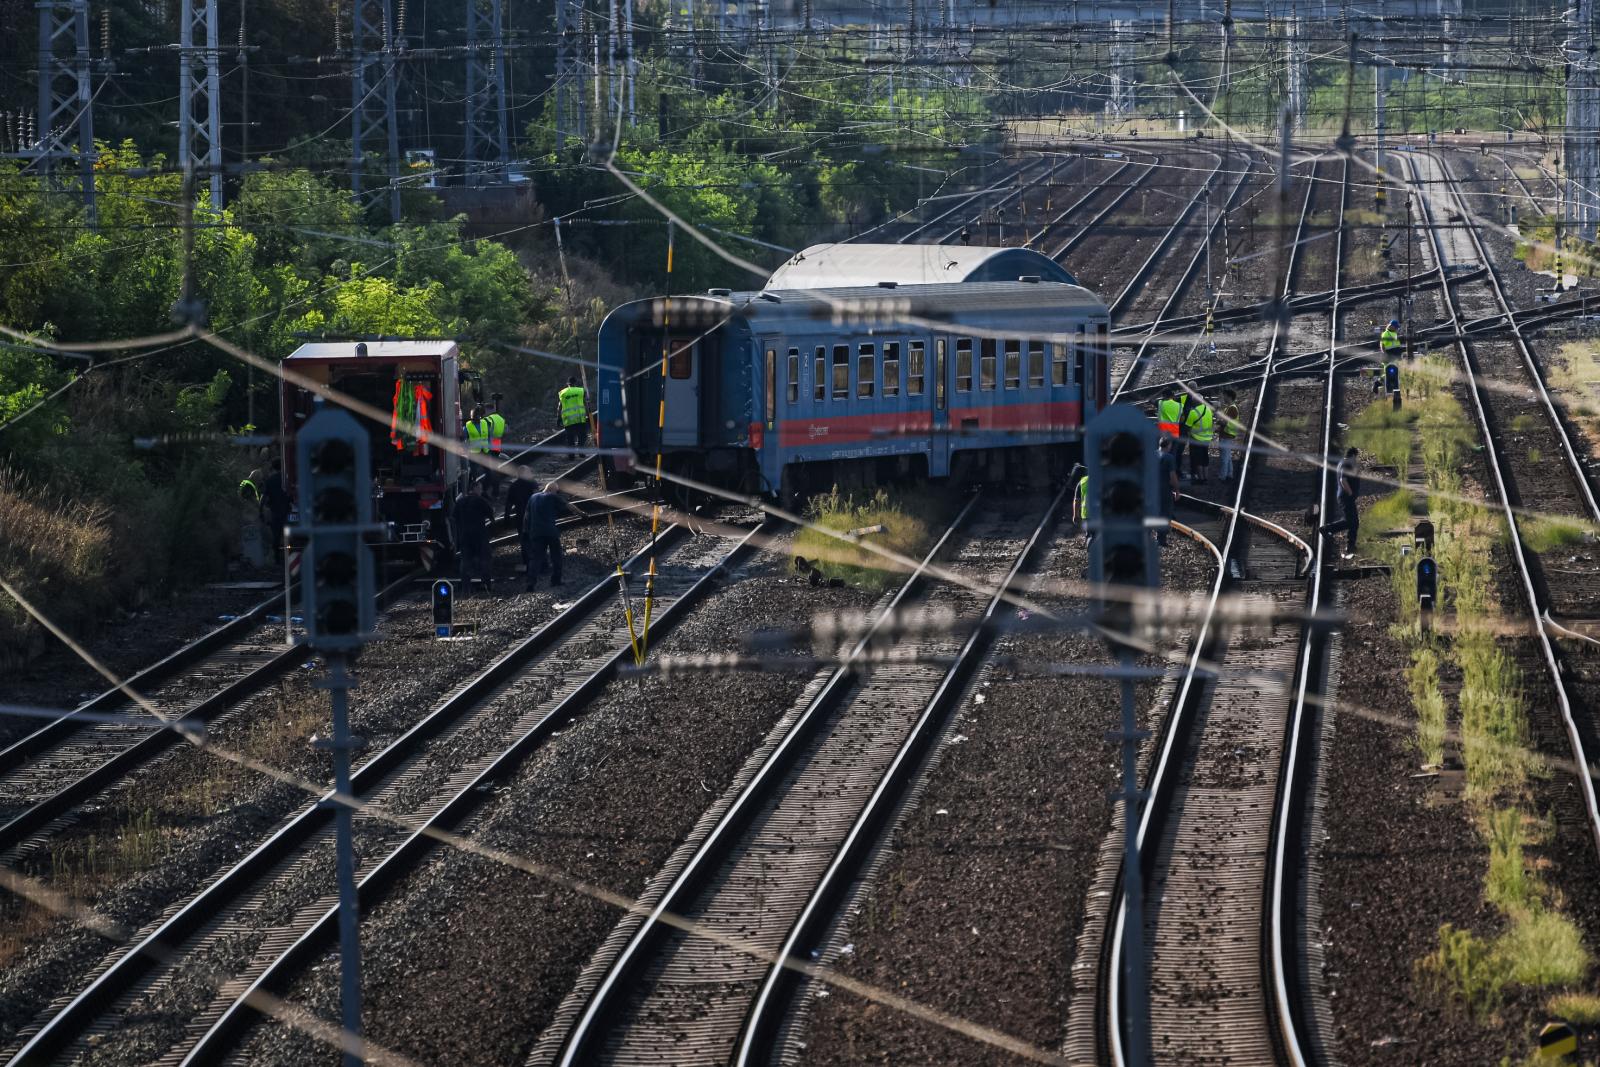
786,392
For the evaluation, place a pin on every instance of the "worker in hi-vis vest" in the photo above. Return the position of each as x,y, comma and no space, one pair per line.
572,405
1389,339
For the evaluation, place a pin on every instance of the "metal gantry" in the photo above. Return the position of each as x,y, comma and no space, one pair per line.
200,94
488,144
373,125
65,94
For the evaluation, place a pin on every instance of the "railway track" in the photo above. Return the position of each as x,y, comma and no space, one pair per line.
1552,583
263,915
769,869
47,776
1225,789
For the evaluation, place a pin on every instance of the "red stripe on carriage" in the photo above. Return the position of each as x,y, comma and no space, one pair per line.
1047,416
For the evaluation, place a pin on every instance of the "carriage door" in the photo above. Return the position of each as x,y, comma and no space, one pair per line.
681,392
939,451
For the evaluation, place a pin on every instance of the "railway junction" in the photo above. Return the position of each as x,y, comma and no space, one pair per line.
846,736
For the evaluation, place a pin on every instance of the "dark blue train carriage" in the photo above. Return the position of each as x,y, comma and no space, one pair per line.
789,391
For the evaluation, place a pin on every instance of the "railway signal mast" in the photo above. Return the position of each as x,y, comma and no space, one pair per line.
1124,506
337,595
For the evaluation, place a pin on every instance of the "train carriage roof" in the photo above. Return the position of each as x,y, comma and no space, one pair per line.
832,266
951,302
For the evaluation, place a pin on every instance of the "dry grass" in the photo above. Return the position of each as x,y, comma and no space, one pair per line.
1574,377
54,551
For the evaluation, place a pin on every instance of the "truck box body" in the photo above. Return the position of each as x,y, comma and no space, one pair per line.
415,481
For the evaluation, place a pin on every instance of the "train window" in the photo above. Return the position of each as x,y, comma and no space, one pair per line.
891,368
1013,364
1035,364
841,372
963,365
1060,353
986,369
794,376
680,364
819,375
866,371
772,385
916,367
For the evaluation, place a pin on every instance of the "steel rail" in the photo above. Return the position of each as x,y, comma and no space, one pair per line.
1557,424
1357,351
54,732
1520,551
37,816
1136,365
1077,205
1017,191
807,936
1005,181
1140,276
1072,242
601,1004
1185,704
1302,303
138,752
1288,848
165,942
393,868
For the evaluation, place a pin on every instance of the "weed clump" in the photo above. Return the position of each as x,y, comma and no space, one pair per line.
905,532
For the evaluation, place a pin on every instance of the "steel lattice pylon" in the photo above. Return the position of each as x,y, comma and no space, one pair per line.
200,94
1119,101
65,97
487,141
372,95
1295,61
1582,148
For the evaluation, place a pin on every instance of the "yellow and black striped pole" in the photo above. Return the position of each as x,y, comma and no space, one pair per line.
661,434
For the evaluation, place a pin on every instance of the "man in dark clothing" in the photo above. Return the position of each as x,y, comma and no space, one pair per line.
1168,487
541,536
473,517
1349,478
275,507
517,499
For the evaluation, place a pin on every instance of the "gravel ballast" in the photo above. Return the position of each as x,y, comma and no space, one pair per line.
491,949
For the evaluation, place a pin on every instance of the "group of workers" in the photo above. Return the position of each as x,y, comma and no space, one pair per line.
533,511
1193,425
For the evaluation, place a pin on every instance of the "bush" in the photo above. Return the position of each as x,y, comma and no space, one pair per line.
906,533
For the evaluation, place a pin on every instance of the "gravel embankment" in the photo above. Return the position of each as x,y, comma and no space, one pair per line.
490,949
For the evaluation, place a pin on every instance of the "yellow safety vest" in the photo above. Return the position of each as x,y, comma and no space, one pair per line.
1230,421
1389,340
497,431
1080,500
1170,411
573,406
478,435
1200,424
